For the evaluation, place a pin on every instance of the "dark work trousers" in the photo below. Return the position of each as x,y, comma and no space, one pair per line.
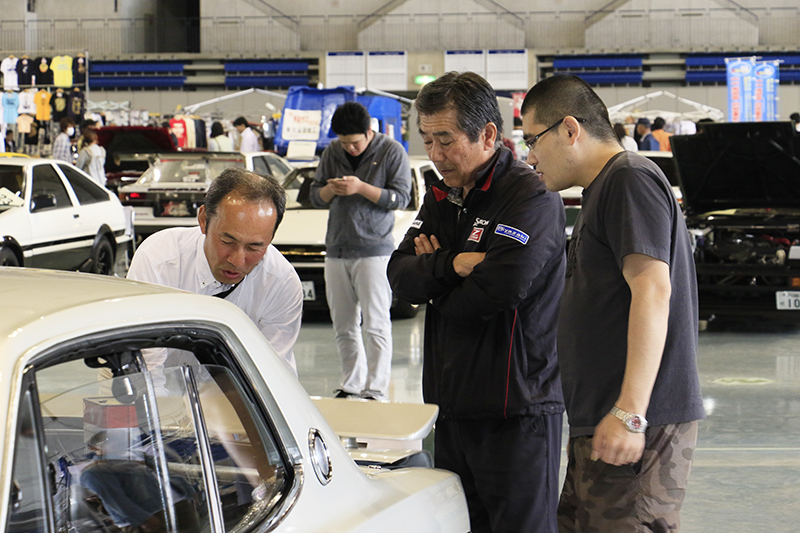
509,470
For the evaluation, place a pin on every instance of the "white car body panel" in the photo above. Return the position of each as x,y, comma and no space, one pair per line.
46,309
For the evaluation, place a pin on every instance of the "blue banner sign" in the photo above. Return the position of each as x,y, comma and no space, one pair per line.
765,91
740,88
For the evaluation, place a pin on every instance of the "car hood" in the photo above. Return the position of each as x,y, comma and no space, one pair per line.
746,165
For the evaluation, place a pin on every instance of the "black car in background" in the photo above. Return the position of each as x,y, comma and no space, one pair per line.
741,194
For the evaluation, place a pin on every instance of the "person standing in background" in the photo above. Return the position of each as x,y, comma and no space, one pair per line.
625,140
92,158
249,139
219,141
646,140
661,136
62,146
362,177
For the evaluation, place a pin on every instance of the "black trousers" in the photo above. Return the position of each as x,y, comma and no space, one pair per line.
509,470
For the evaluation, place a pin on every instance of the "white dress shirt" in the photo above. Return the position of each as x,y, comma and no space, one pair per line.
271,295
249,141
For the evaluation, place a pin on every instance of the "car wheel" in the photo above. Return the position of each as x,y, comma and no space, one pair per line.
404,309
8,258
103,257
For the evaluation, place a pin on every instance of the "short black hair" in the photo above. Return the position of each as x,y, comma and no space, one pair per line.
251,186
795,117
241,121
350,118
561,96
471,96
658,123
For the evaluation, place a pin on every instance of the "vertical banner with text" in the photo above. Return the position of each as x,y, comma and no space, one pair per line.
765,91
740,88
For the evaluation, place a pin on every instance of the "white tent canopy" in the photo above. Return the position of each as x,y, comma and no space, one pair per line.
620,112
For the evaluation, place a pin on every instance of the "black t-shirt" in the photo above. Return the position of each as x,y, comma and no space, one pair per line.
354,160
24,71
629,208
42,72
79,67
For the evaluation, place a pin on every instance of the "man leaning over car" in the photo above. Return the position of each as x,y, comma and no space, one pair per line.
230,256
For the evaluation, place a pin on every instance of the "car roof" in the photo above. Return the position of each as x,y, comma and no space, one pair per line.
30,294
24,160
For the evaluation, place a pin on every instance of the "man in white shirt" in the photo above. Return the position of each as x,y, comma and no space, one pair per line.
230,256
249,138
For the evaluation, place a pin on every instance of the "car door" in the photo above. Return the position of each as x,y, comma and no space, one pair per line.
153,429
58,240
97,208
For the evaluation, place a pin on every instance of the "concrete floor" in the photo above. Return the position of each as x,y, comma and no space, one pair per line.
746,475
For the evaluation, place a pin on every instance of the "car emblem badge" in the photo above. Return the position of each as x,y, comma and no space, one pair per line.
476,235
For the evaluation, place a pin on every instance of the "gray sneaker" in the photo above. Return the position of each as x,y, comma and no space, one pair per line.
369,394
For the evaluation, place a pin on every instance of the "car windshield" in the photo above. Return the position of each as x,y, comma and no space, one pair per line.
12,177
298,188
187,170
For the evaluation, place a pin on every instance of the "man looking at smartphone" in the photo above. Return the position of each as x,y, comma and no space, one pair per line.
362,177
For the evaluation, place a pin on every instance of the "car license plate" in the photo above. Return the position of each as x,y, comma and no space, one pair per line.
308,291
788,300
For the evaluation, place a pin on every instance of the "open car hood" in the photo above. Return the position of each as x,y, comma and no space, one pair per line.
746,165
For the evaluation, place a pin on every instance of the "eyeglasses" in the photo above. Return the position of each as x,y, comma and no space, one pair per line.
532,141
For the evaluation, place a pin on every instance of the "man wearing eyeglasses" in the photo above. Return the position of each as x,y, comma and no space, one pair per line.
362,177
487,252
627,330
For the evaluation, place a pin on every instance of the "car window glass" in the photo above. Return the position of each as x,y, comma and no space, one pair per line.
278,168
189,171
87,191
412,198
179,447
26,509
260,166
430,176
47,190
12,177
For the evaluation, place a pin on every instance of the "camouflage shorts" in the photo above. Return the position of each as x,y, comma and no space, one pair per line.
642,497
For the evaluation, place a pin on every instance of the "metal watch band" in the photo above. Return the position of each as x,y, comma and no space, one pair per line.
635,423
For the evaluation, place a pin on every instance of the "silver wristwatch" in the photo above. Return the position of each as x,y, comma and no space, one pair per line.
635,423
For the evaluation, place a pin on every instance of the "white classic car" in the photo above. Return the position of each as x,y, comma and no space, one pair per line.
52,215
169,192
128,405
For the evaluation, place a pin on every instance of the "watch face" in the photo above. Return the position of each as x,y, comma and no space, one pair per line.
635,423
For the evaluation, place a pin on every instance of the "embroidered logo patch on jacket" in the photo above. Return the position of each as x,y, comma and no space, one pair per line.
512,233
476,235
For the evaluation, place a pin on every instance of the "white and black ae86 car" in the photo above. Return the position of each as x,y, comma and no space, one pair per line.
52,215
134,407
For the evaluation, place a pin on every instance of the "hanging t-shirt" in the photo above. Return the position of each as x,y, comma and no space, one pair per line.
25,71
191,141
43,108
77,105
62,71
79,68
179,130
59,104
41,71
27,102
24,123
10,105
9,69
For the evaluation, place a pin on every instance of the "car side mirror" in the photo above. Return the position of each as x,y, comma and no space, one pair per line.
43,201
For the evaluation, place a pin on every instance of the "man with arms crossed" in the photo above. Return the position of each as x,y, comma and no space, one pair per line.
627,331
230,256
487,253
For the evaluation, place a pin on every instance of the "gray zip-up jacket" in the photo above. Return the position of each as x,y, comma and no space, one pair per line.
356,226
